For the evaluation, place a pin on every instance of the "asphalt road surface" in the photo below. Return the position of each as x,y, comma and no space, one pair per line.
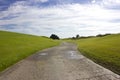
63,62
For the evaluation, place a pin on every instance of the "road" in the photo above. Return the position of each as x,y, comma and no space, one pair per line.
63,62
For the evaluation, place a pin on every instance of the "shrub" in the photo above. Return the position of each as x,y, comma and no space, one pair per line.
53,36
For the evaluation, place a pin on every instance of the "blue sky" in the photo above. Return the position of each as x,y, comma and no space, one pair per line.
65,18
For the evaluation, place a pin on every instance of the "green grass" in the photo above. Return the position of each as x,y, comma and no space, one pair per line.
15,46
102,50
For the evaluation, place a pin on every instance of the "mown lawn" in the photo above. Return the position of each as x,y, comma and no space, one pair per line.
102,50
15,46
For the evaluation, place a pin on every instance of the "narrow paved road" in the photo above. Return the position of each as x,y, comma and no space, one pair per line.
63,62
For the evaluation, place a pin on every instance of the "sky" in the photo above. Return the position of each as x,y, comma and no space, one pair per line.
65,18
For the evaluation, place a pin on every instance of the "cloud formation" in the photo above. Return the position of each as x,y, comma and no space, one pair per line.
65,18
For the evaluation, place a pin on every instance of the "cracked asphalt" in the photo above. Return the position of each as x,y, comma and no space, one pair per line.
63,62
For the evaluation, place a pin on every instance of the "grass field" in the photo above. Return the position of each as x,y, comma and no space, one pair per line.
15,46
102,50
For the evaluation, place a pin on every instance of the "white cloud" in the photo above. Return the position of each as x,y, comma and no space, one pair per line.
93,1
36,1
64,20
42,1
115,4
111,1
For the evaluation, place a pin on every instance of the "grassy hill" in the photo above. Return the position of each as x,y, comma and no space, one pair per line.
103,50
16,46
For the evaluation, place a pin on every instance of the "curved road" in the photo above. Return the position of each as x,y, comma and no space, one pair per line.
63,62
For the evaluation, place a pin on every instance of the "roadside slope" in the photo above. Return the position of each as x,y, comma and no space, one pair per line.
103,50
16,46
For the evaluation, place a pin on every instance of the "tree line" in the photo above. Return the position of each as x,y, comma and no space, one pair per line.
55,37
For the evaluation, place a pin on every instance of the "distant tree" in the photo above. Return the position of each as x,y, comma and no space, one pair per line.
53,36
73,38
77,36
107,34
102,35
99,35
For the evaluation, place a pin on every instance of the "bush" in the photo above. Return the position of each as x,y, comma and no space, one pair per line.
53,36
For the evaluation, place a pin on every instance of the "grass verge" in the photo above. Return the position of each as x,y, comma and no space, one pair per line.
15,46
102,50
